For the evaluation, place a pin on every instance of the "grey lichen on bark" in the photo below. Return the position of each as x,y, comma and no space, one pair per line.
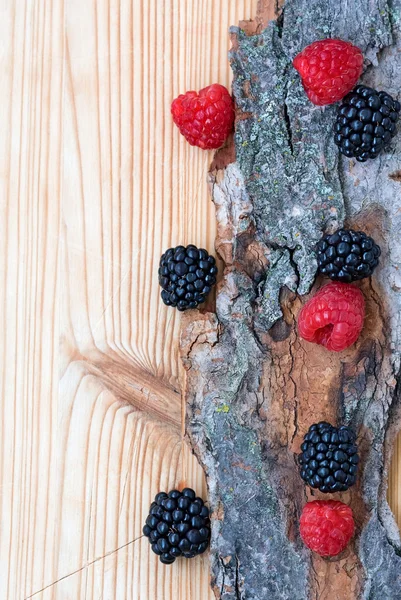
253,386
285,150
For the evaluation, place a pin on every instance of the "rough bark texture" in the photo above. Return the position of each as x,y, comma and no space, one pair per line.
253,386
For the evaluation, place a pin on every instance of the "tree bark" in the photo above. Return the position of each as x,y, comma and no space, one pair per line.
253,386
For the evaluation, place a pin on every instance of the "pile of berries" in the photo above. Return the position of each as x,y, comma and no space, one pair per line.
365,124
178,525
329,459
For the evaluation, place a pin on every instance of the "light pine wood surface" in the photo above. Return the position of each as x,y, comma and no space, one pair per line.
95,182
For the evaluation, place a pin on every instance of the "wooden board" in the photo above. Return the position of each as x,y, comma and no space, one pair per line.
95,182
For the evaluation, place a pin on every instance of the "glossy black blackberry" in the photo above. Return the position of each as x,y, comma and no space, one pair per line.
366,122
329,459
347,255
186,276
178,525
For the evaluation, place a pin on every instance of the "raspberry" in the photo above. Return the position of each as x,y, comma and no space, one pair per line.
178,525
186,276
204,119
366,122
329,459
334,317
326,526
329,70
347,255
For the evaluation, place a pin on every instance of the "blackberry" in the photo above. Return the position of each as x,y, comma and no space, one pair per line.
347,255
178,524
186,276
366,122
329,459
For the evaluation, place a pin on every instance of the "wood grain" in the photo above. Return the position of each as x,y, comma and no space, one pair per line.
31,71
94,183
132,187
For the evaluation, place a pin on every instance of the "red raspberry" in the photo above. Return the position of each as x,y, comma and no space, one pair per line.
326,526
204,119
329,70
333,317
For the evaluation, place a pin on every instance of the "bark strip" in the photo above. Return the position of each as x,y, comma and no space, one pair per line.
253,386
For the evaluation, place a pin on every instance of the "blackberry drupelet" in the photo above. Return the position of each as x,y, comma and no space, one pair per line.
347,255
329,458
178,525
186,276
366,122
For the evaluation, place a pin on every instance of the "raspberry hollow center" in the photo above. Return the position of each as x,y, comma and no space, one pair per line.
323,334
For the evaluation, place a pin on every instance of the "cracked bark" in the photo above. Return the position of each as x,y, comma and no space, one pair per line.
253,387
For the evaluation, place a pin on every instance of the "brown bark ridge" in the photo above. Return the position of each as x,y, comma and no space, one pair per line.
253,387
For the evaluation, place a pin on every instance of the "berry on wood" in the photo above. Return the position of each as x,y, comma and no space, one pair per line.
178,525
205,119
186,275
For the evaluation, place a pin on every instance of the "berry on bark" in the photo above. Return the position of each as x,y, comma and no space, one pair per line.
326,526
329,458
334,317
347,255
366,122
329,70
